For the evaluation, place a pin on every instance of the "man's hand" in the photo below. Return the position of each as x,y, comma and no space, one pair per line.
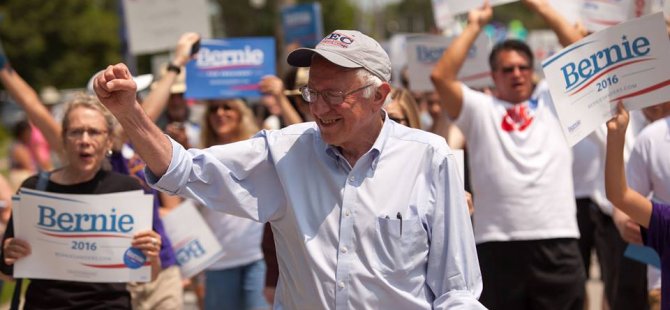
471,204
115,88
269,294
182,53
481,16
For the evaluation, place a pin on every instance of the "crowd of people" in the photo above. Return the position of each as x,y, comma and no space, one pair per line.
336,190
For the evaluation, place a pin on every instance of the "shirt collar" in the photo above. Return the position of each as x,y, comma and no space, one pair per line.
374,151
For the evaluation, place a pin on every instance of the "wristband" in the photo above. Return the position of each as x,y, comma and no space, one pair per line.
172,67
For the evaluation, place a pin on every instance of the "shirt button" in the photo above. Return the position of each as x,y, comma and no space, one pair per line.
352,178
344,249
347,212
341,284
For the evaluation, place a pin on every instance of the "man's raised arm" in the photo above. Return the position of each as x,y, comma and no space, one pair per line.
116,90
446,70
566,33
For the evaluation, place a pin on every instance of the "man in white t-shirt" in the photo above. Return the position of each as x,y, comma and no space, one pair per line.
524,220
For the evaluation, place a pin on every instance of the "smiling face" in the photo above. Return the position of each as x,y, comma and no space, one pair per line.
513,76
355,123
86,140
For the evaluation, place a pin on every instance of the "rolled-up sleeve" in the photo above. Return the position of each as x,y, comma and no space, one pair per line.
237,178
453,268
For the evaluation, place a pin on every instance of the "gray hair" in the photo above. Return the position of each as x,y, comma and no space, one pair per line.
367,77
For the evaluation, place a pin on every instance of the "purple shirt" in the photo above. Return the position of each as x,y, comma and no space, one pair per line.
657,237
135,168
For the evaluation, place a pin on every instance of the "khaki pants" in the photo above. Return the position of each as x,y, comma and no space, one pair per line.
166,292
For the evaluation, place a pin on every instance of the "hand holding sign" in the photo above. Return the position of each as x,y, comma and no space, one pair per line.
14,249
619,122
622,63
182,53
481,16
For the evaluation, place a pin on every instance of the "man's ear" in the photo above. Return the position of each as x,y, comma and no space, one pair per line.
381,93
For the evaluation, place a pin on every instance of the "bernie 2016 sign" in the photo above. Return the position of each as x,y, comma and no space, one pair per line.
230,68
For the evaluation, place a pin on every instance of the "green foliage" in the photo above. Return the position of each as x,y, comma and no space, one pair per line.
516,10
60,43
409,16
241,20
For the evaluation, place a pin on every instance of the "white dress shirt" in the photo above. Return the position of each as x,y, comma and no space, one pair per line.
392,232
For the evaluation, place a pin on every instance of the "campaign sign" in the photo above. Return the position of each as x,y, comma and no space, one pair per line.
424,51
543,44
84,238
444,18
600,14
230,68
194,244
569,9
444,8
302,24
627,62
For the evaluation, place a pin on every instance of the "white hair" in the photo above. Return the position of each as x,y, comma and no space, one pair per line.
367,77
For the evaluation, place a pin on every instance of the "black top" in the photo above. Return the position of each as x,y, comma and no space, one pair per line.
55,294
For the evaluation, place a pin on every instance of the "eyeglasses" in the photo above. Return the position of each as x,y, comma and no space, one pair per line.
510,69
78,133
331,97
213,108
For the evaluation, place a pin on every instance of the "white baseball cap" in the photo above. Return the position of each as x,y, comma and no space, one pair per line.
349,49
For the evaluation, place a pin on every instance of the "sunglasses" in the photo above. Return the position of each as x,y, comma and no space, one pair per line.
213,108
510,69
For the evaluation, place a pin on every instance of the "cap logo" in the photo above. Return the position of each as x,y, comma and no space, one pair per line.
337,39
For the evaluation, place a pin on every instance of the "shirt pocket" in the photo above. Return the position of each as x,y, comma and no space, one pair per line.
398,253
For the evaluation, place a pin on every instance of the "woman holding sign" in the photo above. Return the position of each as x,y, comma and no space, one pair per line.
86,137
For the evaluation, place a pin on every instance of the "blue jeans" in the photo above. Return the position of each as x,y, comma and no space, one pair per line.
236,288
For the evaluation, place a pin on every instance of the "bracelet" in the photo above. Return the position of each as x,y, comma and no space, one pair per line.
173,67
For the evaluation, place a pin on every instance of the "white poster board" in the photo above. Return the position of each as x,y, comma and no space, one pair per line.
454,7
444,19
398,56
84,238
627,62
543,44
194,244
600,14
569,9
156,25
424,51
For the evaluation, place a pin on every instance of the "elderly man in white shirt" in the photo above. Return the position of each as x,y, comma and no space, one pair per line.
366,213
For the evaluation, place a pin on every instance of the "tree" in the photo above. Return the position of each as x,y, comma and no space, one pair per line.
61,43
